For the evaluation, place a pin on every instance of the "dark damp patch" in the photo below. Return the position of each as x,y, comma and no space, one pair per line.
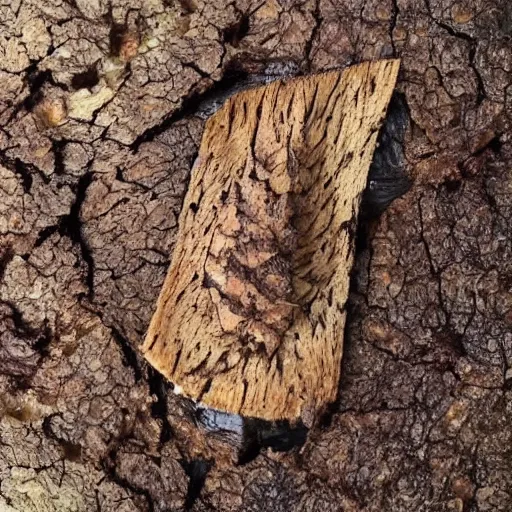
236,32
387,179
86,79
196,470
251,435
280,436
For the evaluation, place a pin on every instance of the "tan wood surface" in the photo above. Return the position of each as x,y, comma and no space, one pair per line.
251,316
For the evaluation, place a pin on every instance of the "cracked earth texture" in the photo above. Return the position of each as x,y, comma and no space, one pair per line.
99,127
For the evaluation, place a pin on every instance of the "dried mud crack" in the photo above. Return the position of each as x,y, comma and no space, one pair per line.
97,137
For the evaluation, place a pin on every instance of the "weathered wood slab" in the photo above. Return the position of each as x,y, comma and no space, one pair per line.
251,316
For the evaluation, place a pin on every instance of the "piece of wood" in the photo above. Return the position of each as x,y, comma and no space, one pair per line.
251,316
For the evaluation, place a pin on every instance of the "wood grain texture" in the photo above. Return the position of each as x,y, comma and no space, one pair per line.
251,316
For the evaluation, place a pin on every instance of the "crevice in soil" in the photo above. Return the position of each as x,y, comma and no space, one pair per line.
26,178
43,341
196,470
6,255
236,32
192,104
71,226
109,466
473,43
58,154
129,356
395,11
86,79
158,387
309,43
21,326
280,436
45,233
35,80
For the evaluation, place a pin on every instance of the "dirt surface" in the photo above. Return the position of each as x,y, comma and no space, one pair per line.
101,111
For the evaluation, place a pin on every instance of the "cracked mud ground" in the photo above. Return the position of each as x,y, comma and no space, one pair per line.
99,126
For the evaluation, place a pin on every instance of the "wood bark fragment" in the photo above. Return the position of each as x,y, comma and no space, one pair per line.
251,316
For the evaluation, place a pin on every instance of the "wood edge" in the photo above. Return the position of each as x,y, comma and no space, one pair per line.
150,337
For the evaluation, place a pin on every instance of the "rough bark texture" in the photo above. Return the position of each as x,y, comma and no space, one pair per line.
97,135
251,316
